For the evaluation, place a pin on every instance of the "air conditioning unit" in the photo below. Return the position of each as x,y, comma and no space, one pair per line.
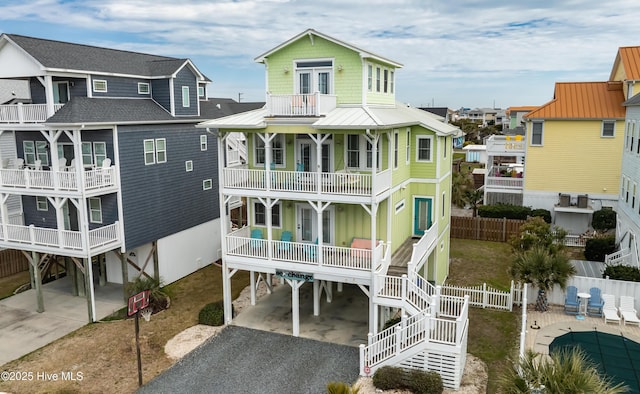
564,200
583,201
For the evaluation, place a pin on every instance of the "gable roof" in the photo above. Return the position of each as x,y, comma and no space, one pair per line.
630,59
583,100
66,56
311,32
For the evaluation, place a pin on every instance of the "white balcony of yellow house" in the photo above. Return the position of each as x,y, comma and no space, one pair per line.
25,113
506,177
33,178
59,241
339,184
505,145
293,105
254,253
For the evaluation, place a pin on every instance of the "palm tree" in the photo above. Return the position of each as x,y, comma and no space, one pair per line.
567,371
460,183
473,197
543,269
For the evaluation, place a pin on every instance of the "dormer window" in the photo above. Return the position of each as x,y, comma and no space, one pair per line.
314,76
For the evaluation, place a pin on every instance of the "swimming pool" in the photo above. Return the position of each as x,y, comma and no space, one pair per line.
616,356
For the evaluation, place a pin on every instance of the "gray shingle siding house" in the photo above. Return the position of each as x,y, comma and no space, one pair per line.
105,170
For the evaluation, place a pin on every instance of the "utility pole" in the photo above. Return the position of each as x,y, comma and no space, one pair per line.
239,97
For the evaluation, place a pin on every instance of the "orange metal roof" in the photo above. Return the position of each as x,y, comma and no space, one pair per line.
523,108
630,58
583,100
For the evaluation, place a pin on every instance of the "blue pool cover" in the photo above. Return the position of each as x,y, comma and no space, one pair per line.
616,356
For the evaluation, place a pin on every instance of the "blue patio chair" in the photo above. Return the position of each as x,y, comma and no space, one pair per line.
571,302
256,234
311,249
286,238
595,304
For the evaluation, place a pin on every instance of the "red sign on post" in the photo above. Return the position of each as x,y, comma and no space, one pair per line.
138,302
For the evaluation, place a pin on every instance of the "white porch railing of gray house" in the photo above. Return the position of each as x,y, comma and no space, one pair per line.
93,179
484,296
25,113
497,144
64,240
342,183
239,243
314,104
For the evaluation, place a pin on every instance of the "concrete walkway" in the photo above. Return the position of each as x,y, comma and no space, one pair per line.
24,330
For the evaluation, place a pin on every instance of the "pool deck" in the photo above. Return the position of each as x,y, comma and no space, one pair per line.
555,322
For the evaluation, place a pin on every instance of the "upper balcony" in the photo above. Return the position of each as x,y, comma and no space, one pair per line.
38,181
508,177
338,184
25,113
505,145
294,105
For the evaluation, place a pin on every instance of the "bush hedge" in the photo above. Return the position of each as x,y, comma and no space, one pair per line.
417,381
596,248
604,219
622,272
212,314
510,211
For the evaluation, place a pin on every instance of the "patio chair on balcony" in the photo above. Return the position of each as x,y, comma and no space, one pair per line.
571,302
628,311
609,310
256,235
19,164
285,238
594,306
310,249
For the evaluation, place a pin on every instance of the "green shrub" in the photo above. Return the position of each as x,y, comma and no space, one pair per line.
543,213
622,272
212,314
342,388
417,381
596,248
504,211
604,219
425,382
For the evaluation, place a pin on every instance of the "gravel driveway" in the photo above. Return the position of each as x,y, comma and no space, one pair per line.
243,360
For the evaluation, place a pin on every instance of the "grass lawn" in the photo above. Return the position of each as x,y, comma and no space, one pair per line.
493,335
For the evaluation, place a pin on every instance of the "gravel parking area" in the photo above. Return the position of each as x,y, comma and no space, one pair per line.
243,360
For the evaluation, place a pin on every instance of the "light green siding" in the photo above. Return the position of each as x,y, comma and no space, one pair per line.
347,82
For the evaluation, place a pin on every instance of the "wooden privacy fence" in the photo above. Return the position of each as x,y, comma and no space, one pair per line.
12,262
485,229
485,296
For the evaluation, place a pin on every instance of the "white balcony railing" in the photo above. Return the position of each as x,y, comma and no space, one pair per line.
25,113
504,182
240,244
64,240
315,104
93,179
497,144
343,183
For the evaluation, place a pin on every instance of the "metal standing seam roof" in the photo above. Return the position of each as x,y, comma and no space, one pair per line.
630,58
583,100
61,55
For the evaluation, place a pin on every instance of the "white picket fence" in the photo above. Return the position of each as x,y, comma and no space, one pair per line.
486,296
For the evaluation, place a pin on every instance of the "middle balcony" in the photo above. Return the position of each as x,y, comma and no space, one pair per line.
18,180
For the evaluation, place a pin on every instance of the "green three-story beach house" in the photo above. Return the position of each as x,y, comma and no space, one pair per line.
340,181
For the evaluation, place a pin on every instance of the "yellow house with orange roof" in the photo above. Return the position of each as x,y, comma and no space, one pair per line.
573,151
626,69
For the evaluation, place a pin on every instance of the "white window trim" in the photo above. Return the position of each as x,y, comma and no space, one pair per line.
541,134
400,206
96,155
253,214
613,135
164,141
431,148
97,82
186,100
362,153
370,77
142,86
201,91
257,139
152,152
396,149
188,165
42,204
207,184
203,142
91,210
408,149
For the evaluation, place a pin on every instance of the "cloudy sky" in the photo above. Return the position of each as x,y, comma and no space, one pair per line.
472,53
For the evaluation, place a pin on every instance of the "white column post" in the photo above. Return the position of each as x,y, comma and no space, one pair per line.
252,283
316,298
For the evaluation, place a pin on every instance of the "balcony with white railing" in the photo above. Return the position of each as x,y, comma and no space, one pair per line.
25,113
95,179
240,244
506,145
294,105
505,177
58,241
330,183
